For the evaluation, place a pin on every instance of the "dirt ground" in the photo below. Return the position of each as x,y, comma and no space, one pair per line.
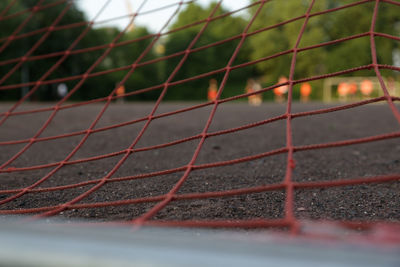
357,202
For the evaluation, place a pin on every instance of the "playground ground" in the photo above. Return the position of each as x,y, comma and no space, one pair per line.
372,202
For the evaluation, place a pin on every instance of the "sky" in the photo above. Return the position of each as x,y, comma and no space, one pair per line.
153,20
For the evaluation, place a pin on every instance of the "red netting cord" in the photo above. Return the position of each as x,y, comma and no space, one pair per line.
88,132
290,165
395,111
34,10
7,8
171,194
150,117
194,50
19,28
161,201
77,51
95,48
38,83
36,45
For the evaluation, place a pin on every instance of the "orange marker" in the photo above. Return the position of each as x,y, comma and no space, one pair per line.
212,90
366,87
305,91
352,88
121,90
120,93
281,90
343,90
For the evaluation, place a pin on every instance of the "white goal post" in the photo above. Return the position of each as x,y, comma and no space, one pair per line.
43,244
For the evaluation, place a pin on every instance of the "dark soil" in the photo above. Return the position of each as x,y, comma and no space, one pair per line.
357,202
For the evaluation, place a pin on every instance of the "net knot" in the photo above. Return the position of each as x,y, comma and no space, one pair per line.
292,163
62,163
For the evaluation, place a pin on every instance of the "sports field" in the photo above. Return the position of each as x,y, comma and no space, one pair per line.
165,165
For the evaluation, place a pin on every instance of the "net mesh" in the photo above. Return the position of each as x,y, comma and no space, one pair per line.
53,166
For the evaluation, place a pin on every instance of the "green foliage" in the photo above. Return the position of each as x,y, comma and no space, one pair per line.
319,29
310,62
210,59
284,38
61,40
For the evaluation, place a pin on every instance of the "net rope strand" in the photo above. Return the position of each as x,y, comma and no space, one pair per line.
88,132
54,67
79,24
36,87
171,194
32,11
7,87
177,29
19,28
32,140
123,43
100,114
389,100
37,8
298,148
36,45
148,121
168,114
161,201
216,194
6,9
82,50
202,166
290,164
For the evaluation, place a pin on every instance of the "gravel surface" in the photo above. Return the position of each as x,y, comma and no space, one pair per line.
356,202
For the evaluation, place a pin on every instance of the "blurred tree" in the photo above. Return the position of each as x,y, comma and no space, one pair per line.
322,28
209,59
142,76
55,42
358,52
75,64
7,26
284,38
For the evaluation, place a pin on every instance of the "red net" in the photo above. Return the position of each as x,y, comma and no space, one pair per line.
216,163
